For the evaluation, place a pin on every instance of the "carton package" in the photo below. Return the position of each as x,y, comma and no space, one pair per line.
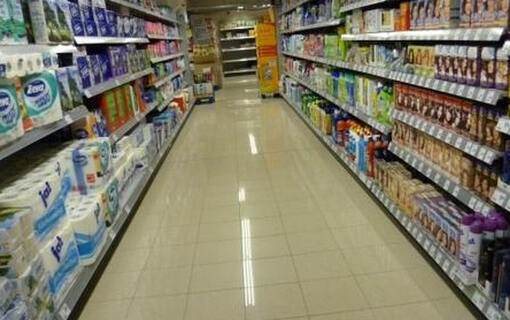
75,85
76,21
49,22
65,91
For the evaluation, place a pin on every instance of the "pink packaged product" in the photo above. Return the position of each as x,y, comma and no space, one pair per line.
502,70
466,9
473,66
488,67
454,56
438,62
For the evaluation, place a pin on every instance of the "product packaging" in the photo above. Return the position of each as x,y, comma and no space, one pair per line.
488,67
82,62
75,85
64,89
12,23
11,126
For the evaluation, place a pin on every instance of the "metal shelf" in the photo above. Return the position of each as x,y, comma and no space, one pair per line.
113,83
361,4
473,148
37,134
146,12
108,40
240,71
130,196
165,58
240,60
332,23
484,95
442,258
503,125
238,28
289,9
237,38
239,49
351,109
459,34
166,102
126,127
440,178
15,49
160,37
160,82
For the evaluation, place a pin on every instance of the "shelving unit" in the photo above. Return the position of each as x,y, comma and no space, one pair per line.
289,9
108,40
129,199
164,80
142,11
240,71
237,58
37,134
459,35
429,245
350,109
168,57
113,83
158,37
479,94
237,38
239,49
238,28
320,25
240,60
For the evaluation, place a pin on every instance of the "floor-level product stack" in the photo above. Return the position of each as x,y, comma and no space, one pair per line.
238,48
92,97
412,99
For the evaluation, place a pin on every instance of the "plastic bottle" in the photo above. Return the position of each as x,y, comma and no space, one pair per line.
370,158
361,152
487,250
473,247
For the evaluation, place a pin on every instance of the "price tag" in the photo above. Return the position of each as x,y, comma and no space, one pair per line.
435,84
420,166
403,220
446,184
421,83
480,95
429,172
428,83
474,149
479,206
68,119
448,138
446,264
467,147
409,225
489,156
498,197
424,126
493,313
453,272
471,92
456,191
432,250
437,177
460,90
444,86
431,130
408,156
458,142
481,153
413,163
414,79
439,257
427,244
479,300
439,133
453,88
472,202
415,232
420,238
490,97
503,125
64,311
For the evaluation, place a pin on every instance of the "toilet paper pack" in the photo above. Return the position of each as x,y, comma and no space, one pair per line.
111,192
61,259
11,125
64,89
89,228
41,98
75,85
44,15
12,23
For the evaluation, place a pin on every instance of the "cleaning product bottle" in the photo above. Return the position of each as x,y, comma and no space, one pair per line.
487,251
473,247
361,152
370,158
465,223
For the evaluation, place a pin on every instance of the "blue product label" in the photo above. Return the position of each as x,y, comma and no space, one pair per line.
90,28
104,156
78,29
112,193
84,70
79,161
40,92
87,12
74,10
100,15
112,30
95,69
9,111
51,217
87,244
103,29
106,71
67,265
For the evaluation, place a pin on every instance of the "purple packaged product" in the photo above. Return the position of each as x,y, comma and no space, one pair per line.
106,70
114,55
82,62
95,68
102,22
128,26
76,21
473,67
465,224
111,18
466,8
488,67
452,56
123,65
463,63
120,26
88,20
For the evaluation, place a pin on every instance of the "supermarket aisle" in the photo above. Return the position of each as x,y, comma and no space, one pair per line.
250,217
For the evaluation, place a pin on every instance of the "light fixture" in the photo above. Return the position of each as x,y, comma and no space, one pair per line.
240,7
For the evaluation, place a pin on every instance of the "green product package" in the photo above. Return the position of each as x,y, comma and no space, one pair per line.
41,97
12,23
331,44
11,125
65,91
384,104
74,79
342,45
49,23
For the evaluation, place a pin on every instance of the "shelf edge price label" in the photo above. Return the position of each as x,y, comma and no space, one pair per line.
427,244
456,191
437,177
472,202
446,264
429,172
446,184
458,142
439,257
479,300
493,313
65,311
419,238
448,138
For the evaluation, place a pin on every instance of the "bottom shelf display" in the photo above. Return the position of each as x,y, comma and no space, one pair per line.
407,200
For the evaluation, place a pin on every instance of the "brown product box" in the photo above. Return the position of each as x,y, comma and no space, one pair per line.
482,120
502,12
466,9
473,130
490,127
477,180
455,163
465,115
467,173
446,158
489,14
399,96
485,183
404,16
493,182
498,136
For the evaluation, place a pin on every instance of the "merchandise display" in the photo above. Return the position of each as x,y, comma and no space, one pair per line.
444,172
83,131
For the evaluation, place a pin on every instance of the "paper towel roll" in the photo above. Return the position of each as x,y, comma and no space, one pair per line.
11,125
87,174
89,230
111,192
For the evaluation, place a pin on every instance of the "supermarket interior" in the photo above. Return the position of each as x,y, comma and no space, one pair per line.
257,159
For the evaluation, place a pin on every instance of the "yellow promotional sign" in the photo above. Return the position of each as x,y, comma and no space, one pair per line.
267,58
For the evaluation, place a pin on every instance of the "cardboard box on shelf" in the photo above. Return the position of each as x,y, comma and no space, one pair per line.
217,72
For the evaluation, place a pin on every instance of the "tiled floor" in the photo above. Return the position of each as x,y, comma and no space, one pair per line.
250,217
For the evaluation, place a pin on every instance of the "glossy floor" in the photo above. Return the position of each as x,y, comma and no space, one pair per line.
250,217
